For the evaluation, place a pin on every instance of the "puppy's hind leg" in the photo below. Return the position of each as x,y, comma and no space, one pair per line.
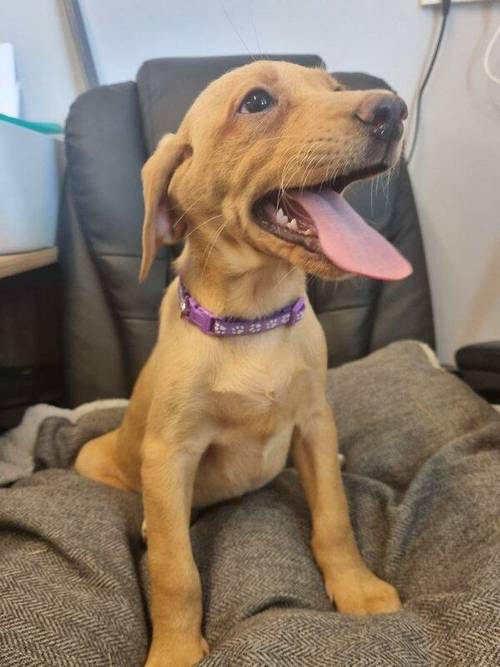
97,460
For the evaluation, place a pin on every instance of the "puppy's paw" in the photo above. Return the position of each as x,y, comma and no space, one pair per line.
177,654
361,592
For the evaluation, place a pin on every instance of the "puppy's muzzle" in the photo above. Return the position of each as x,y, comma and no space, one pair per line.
384,115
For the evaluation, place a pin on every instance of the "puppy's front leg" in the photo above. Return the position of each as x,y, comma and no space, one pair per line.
348,582
168,473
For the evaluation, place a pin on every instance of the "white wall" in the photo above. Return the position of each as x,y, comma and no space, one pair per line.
379,35
457,183
455,170
45,62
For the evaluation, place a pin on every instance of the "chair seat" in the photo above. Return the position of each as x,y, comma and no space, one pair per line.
421,470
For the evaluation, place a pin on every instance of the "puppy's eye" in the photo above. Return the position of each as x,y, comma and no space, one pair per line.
256,101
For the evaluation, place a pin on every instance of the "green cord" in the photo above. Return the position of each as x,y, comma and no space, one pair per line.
45,128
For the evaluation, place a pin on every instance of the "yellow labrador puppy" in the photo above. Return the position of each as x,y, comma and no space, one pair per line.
253,181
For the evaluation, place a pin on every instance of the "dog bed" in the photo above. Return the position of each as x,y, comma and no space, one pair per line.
422,469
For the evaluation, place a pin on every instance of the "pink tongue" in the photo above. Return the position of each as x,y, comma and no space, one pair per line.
347,240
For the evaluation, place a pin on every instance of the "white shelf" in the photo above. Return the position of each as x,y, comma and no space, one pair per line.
438,2
10,265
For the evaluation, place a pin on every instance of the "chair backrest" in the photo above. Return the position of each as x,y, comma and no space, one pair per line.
110,321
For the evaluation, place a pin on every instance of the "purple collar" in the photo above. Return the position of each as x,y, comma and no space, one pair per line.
230,326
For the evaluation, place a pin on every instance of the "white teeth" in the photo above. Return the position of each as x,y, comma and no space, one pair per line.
281,217
282,220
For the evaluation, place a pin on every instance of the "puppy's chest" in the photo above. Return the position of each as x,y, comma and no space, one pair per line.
255,405
254,425
256,395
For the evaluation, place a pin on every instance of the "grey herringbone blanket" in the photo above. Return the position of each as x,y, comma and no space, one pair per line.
422,475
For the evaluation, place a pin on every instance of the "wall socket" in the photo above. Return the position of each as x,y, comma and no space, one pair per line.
454,2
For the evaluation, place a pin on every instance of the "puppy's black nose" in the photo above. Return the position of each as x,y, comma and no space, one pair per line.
384,114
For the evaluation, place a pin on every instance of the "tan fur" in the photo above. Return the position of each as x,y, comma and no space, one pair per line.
209,418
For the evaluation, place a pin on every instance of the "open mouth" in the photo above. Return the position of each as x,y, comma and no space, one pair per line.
319,219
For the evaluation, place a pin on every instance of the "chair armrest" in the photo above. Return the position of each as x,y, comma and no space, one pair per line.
479,366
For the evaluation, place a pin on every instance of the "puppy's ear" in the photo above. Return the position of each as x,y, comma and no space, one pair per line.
159,227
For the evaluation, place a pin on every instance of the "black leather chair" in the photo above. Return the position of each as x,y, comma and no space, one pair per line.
110,321
420,488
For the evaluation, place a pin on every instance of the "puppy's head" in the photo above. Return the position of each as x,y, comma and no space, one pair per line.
257,169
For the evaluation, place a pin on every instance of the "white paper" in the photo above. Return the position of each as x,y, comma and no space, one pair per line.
9,89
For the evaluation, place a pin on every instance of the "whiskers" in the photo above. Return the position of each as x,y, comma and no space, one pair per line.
192,205
259,52
210,248
202,224
383,182
285,276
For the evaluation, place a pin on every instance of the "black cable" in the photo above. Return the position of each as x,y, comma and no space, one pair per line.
445,8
